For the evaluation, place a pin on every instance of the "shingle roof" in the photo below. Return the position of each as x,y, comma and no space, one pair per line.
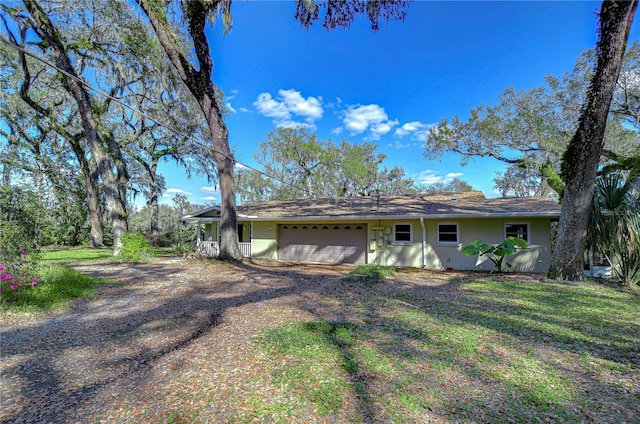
415,205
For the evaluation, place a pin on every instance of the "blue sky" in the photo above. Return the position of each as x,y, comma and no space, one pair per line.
386,87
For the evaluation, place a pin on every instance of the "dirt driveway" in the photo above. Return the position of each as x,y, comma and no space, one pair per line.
132,353
182,342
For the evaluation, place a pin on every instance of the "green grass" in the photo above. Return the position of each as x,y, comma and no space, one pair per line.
369,274
493,351
319,360
70,255
165,252
75,255
59,285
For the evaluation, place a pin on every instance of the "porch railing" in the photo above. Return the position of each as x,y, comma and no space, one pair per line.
245,248
211,249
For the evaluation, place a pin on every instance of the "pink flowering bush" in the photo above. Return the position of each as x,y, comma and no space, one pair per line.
21,217
19,257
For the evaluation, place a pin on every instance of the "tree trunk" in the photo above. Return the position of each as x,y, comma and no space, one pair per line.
229,247
6,169
153,199
93,201
581,159
96,235
115,207
122,173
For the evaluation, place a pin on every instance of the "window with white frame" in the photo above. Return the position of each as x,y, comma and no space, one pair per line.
448,233
517,230
402,233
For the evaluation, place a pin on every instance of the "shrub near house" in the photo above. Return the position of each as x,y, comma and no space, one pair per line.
495,253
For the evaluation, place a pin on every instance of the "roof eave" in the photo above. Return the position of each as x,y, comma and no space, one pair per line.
406,216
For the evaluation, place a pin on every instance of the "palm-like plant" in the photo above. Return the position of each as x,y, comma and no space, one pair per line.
614,230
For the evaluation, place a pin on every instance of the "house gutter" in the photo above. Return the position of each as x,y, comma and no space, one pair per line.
424,243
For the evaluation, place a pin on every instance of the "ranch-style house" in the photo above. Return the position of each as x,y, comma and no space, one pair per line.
419,230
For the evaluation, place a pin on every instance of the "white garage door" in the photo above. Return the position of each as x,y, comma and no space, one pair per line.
323,243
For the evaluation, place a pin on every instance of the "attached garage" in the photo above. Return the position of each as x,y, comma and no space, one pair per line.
323,243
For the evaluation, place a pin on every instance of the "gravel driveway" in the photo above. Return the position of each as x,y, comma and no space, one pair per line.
141,348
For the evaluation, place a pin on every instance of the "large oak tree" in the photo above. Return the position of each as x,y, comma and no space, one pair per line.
198,75
52,39
580,160
198,78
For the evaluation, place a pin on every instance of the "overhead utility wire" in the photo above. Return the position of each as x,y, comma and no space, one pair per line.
145,115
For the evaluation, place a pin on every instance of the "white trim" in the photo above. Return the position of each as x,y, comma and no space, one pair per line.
410,233
448,242
424,243
528,239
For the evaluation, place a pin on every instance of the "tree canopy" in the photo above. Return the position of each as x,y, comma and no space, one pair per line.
111,155
531,129
298,165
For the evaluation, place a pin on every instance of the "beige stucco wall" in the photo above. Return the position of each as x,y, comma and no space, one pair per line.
403,254
535,258
439,256
263,243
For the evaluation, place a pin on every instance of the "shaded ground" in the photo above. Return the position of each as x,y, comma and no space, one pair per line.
176,342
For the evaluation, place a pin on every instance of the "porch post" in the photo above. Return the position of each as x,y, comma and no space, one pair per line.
198,233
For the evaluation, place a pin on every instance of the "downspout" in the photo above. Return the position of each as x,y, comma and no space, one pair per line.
424,243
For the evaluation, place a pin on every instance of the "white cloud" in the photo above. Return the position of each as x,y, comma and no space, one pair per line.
398,145
360,118
334,105
212,189
430,176
244,110
227,100
176,191
271,108
238,165
415,129
310,107
209,198
451,175
383,128
288,107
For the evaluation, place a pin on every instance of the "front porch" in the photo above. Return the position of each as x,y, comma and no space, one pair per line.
211,249
207,226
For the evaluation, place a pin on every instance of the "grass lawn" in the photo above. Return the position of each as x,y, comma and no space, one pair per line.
495,350
59,284
68,255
